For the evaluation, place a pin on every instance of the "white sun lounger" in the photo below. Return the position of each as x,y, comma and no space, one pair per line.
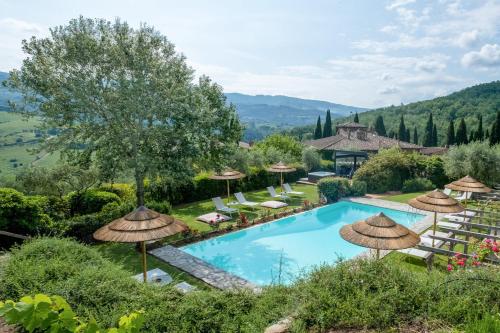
426,256
449,225
447,191
241,199
467,213
454,218
427,241
464,196
289,190
219,205
275,195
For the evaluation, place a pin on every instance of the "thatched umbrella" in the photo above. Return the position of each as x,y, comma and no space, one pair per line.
281,168
141,225
437,202
227,175
379,232
468,184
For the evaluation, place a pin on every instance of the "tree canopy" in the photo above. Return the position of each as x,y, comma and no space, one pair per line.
327,129
317,131
379,126
126,99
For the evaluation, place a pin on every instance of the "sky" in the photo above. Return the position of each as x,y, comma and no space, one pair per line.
356,52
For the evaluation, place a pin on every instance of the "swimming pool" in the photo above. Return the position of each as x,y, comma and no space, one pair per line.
279,251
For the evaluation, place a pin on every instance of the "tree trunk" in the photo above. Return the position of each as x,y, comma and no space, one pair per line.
139,183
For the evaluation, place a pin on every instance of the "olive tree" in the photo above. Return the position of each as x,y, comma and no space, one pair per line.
126,99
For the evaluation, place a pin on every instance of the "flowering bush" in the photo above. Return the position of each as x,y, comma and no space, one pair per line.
481,250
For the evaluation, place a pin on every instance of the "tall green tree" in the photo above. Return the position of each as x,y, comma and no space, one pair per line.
450,136
434,136
402,129
408,136
317,131
379,126
415,135
127,98
495,130
479,134
427,140
461,136
327,129
356,118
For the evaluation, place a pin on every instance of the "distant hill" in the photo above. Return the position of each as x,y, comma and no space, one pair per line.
482,99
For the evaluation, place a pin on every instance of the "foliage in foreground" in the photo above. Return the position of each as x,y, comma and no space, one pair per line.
42,313
355,294
334,188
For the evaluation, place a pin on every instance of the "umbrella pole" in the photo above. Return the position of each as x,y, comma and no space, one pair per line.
228,191
434,228
144,267
465,217
281,181
378,254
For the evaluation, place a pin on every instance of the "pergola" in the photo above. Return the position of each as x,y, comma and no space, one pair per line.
343,154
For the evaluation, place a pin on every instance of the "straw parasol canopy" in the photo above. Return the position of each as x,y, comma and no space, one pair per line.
281,168
468,184
227,175
437,202
141,225
379,232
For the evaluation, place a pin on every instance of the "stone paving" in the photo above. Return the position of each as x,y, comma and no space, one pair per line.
202,270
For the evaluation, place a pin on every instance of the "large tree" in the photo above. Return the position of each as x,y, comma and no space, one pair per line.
379,126
327,129
495,130
434,136
479,134
402,129
427,140
450,136
317,131
356,118
127,99
461,136
415,135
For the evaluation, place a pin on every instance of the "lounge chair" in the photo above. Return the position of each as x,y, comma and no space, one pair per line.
447,191
219,205
289,190
275,195
467,213
465,195
449,225
424,255
242,201
454,218
427,241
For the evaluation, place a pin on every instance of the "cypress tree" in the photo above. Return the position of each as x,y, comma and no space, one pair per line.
472,136
317,131
408,136
415,135
486,134
479,135
461,136
402,129
495,131
379,126
391,134
427,141
450,137
356,118
434,136
327,129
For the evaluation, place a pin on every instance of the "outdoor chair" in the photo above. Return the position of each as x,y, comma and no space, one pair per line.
275,195
447,191
289,190
465,195
242,201
219,205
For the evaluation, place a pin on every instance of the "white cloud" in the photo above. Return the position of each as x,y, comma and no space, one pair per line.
389,90
389,29
398,3
467,38
19,26
385,77
487,56
404,41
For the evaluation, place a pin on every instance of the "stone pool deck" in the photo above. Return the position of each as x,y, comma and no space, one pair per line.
200,269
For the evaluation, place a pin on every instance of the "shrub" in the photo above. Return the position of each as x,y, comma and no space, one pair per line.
284,144
23,214
417,185
327,165
160,206
90,201
333,188
125,191
311,159
357,188
477,159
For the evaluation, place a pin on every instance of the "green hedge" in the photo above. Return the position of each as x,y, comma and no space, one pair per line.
334,188
90,201
417,185
202,187
356,294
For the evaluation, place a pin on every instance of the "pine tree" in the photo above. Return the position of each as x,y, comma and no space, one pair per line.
317,131
408,136
479,135
327,129
472,136
356,118
461,136
391,134
427,141
434,136
495,131
379,126
486,134
450,137
402,129
415,135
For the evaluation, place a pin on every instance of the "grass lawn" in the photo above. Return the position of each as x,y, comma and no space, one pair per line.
131,260
189,212
403,198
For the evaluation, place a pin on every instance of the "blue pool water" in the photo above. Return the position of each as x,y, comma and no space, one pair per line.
278,252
